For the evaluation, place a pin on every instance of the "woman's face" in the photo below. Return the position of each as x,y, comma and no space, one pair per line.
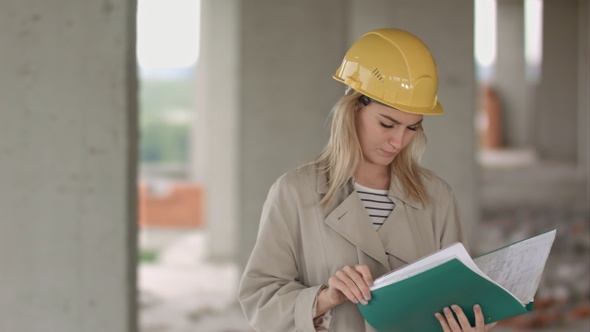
384,131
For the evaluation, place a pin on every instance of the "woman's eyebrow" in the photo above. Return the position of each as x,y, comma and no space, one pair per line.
397,122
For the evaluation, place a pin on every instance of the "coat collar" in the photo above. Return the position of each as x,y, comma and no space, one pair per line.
351,221
395,189
348,217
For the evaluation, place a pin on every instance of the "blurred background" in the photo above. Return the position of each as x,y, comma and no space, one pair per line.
138,140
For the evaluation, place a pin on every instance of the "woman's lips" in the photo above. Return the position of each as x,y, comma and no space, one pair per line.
389,153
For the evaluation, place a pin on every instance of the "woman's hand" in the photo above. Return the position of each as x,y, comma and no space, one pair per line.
450,324
350,283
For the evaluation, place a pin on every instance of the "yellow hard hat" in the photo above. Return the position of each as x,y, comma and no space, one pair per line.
395,68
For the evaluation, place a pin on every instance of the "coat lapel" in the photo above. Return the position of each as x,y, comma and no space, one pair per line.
397,236
397,233
351,221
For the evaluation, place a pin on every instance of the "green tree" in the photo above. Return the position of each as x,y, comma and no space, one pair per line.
164,140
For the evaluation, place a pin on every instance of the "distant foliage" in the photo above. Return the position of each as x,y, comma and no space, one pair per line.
164,143
166,107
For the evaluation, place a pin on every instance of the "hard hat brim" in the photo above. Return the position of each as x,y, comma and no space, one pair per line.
436,110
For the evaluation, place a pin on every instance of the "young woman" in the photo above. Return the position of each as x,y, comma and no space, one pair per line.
364,207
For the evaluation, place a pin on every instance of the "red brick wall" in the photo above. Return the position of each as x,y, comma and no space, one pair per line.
180,206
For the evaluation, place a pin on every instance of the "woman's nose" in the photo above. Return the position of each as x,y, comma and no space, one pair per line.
397,138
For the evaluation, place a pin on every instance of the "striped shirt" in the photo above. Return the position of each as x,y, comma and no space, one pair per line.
376,202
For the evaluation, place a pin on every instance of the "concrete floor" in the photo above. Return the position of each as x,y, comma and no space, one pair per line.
182,291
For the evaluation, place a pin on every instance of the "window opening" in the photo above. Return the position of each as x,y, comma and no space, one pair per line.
177,285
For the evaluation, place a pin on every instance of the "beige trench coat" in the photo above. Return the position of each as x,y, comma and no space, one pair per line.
301,244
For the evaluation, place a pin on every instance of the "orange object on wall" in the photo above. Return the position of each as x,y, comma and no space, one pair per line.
181,206
491,124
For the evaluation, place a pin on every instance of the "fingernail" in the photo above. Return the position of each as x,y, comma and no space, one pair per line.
455,307
364,302
447,310
476,306
369,283
367,298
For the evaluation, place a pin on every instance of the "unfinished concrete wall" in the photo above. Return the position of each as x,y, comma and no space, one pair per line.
289,51
556,101
558,116
509,75
287,89
67,170
583,88
285,93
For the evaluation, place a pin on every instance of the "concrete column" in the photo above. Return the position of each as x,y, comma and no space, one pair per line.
509,78
218,123
289,51
447,29
67,145
556,102
583,88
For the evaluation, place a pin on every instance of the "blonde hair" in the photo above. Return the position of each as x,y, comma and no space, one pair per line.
343,153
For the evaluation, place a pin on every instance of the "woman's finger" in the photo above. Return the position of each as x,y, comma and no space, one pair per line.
351,278
443,322
359,286
463,321
479,320
366,273
367,281
451,320
338,286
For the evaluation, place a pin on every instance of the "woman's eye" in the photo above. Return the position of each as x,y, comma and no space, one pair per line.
386,125
413,128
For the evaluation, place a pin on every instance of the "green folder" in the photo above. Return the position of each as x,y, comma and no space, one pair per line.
410,304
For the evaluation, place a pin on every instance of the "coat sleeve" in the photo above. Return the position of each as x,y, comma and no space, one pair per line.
271,291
